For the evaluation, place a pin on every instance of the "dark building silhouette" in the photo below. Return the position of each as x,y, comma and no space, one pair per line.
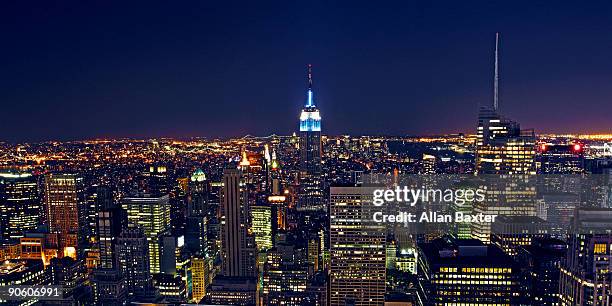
238,246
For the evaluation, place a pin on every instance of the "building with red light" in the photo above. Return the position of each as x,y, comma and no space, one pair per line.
561,158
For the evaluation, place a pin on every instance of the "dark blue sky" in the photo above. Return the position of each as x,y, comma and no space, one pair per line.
73,70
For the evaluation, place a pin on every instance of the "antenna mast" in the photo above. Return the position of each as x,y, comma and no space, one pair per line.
309,103
496,80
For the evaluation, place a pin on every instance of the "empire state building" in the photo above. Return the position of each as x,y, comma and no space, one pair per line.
311,194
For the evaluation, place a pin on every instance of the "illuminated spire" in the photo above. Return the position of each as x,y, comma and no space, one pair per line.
245,161
310,102
267,153
275,164
496,79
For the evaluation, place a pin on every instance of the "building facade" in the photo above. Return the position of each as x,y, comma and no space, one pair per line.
357,249
20,205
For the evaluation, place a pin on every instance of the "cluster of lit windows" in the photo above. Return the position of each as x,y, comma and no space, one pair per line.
476,270
473,282
487,270
600,248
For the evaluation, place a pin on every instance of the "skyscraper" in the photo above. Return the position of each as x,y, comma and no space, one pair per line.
311,194
196,215
199,276
585,274
357,249
157,180
539,263
502,148
238,245
20,206
152,214
285,276
133,255
66,207
261,216
111,219
108,281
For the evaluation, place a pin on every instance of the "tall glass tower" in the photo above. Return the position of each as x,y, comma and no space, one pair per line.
20,206
311,193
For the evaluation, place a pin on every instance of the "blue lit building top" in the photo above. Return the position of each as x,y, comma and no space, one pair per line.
310,119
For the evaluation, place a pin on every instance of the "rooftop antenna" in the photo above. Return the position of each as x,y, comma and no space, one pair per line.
309,103
496,79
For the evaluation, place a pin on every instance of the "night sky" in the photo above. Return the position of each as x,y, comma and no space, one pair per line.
73,70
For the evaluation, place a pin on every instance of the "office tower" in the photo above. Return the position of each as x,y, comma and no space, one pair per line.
66,210
91,196
557,208
585,274
509,233
561,158
279,204
311,193
539,263
171,248
20,206
285,277
357,249
71,276
314,255
275,175
238,245
199,183
157,180
108,282
466,272
178,212
196,232
196,226
152,214
171,287
199,278
390,254
133,257
111,219
232,291
505,195
462,230
501,146
109,286
263,227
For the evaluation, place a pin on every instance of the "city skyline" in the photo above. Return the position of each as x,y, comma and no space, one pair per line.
128,76
306,153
